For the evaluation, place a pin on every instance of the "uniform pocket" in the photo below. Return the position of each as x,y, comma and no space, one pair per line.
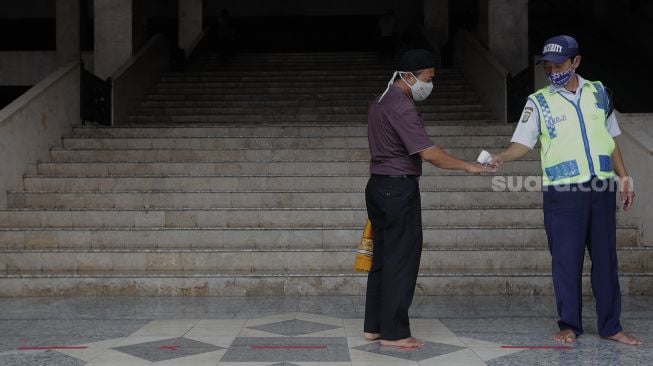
605,162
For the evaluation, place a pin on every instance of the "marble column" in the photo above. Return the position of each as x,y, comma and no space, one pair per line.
507,32
436,20
113,35
190,23
67,24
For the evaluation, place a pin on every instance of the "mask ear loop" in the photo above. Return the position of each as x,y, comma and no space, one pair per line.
392,79
574,64
404,80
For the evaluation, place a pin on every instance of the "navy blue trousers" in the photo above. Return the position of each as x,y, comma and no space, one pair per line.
394,208
576,217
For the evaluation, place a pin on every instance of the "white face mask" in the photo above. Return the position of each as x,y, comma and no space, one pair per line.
420,90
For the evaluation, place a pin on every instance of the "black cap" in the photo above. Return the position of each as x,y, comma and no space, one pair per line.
417,59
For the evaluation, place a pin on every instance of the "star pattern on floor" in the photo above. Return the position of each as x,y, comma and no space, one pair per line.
167,349
428,350
279,340
294,327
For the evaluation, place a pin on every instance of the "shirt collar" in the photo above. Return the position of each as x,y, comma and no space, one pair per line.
554,88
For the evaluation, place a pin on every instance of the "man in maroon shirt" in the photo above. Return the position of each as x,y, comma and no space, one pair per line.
398,143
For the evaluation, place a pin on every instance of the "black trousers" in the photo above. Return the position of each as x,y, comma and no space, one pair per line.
394,208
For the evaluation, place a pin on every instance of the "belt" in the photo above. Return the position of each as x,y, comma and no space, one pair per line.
402,176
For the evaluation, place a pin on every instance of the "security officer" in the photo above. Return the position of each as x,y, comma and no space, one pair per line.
398,143
576,125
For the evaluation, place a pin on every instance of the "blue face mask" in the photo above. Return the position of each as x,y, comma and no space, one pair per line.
562,78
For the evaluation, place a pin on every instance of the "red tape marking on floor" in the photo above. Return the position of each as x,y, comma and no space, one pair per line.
169,348
289,347
537,347
50,347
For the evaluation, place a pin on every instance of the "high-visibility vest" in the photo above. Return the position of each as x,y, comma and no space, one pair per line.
575,143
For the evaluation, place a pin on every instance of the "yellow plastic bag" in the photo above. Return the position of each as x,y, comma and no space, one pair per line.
363,261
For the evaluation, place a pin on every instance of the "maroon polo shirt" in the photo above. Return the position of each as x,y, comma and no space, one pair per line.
396,135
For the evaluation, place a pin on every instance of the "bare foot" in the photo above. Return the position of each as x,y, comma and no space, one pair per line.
410,342
565,336
372,336
624,338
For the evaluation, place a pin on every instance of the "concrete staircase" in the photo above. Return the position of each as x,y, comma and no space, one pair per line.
248,179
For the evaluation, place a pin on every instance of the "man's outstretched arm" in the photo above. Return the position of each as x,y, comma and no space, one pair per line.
444,160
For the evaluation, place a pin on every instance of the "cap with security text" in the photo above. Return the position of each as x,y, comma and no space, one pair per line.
558,49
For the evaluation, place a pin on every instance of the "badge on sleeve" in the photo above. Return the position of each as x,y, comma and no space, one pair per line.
526,114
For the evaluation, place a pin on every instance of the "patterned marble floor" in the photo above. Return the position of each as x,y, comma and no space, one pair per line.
315,331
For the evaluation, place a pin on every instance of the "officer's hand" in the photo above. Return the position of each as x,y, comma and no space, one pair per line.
627,192
496,160
476,168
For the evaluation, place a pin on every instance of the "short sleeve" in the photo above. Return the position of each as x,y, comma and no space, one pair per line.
612,125
528,127
410,129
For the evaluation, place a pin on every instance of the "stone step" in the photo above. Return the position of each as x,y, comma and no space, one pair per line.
374,89
304,117
261,199
330,63
289,130
254,217
237,155
342,142
292,57
297,54
359,109
303,103
210,283
286,56
328,58
298,69
253,261
455,97
476,237
316,183
371,74
299,84
286,93
306,70
376,77
80,169
333,124
297,57
294,61
360,74
256,55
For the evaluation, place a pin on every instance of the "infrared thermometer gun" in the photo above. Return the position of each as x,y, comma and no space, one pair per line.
484,158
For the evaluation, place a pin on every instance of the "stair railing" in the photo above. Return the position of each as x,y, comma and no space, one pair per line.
34,122
201,45
519,87
484,72
95,98
132,81
636,145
